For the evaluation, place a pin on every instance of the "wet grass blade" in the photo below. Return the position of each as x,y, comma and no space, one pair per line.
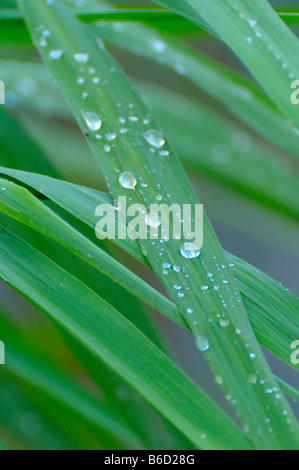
272,309
110,337
258,37
71,43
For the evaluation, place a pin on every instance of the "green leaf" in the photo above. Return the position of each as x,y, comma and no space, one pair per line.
112,338
272,309
32,367
227,353
240,96
257,35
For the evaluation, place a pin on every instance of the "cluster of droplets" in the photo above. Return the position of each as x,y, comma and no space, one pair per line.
257,34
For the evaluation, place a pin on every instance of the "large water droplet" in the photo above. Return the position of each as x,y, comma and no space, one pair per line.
189,250
128,180
154,138
93,121
202,344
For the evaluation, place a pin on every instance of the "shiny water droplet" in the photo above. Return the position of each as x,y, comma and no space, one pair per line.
189,250
56,54
82,57
128,180
164,153
177,287
202,344
204,287
224,323
154,138
153,220
252,379
166,265
218,379
111,136
93,121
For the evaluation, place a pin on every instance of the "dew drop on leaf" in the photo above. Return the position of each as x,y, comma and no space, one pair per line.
82,57
128,180
202,344
56,54
154,138
189,250
93,121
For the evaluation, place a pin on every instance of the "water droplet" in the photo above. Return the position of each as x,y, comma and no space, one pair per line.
153,220
158,45
177,287
249,40
224,323
190,311
218,379
56,54
204,287
82,57
252,379
202,344
166,265
3,189
128,180
164,153
111,136
93,121
154,138
189,250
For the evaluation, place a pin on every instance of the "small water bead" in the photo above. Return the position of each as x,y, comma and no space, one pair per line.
252,355
159,197
166,265
181,294
238,331
81,57
154,138
204,287
95,80
224,323
177,287
202,344
252,22
218,379
80,81
123,130
93,121
190,311
128,180
252,379
189,250
176,269
3,189
153,220
249,40
158,45
56,54
164,153
216,287
107,148
133,118
111,136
